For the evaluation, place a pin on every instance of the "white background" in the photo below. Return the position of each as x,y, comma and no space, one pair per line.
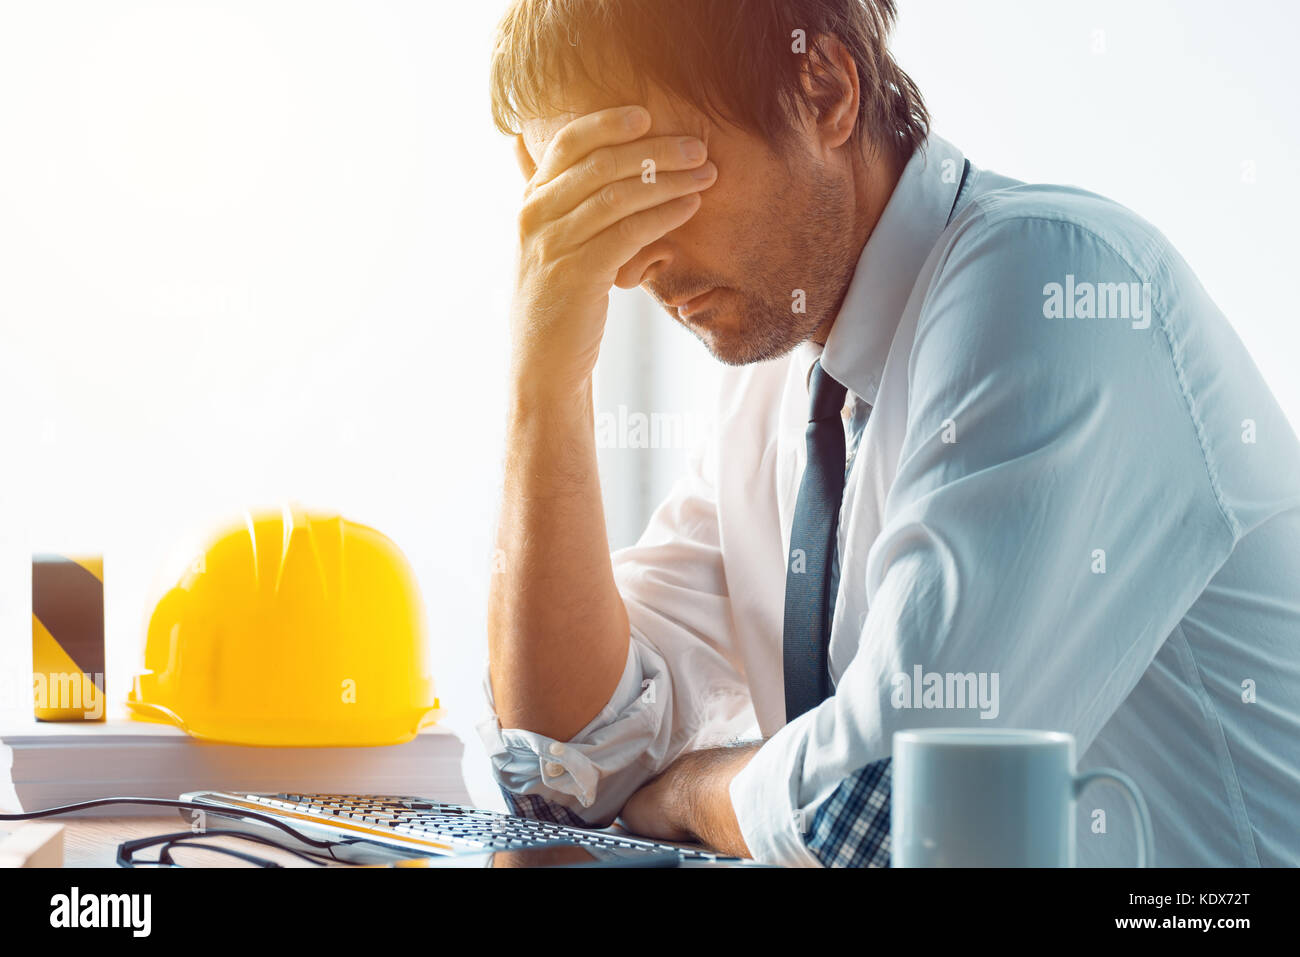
261,251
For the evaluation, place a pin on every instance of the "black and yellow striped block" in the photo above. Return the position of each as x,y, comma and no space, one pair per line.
68,638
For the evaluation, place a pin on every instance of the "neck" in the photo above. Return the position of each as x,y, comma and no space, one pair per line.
874,179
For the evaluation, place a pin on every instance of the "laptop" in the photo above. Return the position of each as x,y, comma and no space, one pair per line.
387,829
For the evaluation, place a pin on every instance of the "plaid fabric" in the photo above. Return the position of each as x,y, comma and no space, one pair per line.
539,809
851,829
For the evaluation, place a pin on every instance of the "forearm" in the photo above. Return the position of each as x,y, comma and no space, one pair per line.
557,627
707,812
691,800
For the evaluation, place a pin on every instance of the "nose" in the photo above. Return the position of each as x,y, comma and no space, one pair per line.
646,265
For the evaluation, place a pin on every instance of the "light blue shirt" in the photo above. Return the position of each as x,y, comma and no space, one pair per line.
1074,489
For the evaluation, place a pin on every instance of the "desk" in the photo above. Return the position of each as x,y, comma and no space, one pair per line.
93,841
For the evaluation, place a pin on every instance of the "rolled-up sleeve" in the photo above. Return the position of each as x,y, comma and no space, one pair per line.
1032,537
681,687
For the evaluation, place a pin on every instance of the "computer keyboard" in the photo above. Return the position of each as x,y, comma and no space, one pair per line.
426,826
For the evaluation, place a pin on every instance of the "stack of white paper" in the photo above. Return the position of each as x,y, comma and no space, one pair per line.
48,764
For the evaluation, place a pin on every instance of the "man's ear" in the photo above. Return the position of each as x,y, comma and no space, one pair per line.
830,77
526,164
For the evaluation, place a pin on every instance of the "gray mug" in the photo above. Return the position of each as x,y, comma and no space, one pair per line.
1001,797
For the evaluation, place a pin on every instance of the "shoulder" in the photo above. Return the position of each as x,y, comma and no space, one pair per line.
1052,267
1053,296
1041,225
1056,313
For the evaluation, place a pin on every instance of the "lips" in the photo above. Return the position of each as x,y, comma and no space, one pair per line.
693,305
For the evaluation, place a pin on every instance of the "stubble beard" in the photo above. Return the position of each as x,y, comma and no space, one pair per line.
819,260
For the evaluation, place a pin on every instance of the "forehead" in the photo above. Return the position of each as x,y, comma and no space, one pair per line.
667,117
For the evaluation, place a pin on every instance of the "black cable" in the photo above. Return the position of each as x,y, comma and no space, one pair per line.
165,802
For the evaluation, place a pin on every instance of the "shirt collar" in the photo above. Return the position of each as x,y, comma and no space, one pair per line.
913,219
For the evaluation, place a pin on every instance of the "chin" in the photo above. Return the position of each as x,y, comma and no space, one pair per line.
735,350
738,339
730,352
723,341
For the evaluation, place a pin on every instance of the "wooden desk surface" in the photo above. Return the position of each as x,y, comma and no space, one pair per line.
93,842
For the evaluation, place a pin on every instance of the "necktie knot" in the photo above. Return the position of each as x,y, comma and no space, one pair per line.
827,395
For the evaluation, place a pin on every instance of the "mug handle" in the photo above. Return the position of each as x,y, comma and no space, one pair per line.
1146,847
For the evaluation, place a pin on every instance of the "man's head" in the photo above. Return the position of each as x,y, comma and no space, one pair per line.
805,115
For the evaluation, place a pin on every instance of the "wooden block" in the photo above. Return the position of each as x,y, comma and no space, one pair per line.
32,845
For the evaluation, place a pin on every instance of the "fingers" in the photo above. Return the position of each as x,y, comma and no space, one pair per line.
642,161
602,191
626,197
604,254
589,132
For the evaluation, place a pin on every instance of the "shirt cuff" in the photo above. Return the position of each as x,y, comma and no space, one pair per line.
764,796
525,762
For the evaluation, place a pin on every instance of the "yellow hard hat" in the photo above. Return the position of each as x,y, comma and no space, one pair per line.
291,628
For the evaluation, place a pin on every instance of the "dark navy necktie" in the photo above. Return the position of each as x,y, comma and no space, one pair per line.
812,567
809,570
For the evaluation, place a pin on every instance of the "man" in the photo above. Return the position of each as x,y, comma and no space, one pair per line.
980,436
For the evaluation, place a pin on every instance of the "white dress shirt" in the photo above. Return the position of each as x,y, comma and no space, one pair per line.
1073,482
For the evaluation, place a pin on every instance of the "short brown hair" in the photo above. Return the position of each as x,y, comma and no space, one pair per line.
733,59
